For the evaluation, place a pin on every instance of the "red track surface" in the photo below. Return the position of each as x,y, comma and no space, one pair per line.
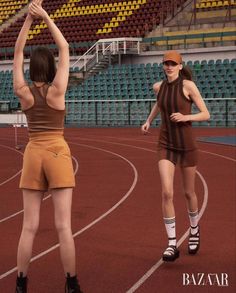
117,220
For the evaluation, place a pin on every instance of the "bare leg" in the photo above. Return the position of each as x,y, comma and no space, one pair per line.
31,201
188,176
62,200
167,170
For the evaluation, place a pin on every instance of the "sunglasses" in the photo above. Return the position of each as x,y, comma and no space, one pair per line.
170,63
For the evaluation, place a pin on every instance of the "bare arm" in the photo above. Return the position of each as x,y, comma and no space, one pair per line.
191,90
59,84
155,110
19,83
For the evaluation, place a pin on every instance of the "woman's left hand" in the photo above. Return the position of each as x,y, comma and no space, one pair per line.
178,117
36,10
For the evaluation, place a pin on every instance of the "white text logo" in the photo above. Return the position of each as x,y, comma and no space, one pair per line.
205,279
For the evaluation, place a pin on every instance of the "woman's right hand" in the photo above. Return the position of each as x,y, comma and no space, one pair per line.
145,127
36,10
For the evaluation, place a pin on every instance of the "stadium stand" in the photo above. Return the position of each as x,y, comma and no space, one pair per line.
109,19
121,93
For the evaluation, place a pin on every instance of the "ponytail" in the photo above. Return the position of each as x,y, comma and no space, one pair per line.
186,73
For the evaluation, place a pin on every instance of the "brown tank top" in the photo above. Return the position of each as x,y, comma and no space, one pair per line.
41,117
174,135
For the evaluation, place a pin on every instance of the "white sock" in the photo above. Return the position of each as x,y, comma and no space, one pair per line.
170,229
193,218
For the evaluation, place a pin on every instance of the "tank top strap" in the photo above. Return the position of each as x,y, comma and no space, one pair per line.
40,98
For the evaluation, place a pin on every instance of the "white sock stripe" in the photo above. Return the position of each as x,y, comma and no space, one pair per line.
169,220
193,239
193,214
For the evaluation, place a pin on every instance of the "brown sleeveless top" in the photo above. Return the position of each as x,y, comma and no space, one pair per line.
174,135
41,117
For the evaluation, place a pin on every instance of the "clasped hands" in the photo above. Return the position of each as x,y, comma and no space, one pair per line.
35,9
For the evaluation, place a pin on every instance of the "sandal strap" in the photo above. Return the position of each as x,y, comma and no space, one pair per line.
170,250
194,241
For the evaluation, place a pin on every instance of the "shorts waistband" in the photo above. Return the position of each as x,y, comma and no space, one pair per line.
45,135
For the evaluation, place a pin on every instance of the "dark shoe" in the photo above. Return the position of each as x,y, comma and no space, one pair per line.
21,284
194,242
171,253
72,285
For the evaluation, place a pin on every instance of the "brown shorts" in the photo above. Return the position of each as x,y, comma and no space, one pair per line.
183,158
47,163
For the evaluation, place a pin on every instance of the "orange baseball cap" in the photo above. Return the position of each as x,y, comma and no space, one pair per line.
172,56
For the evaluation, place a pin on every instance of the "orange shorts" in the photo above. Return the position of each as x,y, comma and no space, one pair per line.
183,158
47,163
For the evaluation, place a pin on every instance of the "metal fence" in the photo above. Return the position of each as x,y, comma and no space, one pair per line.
135,112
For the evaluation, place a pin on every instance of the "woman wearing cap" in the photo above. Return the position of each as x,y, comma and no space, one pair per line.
47,163
176,145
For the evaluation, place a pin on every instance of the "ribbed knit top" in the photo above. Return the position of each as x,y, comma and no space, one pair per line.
171,99
41,117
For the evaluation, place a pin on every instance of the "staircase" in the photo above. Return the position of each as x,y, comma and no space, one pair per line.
102,54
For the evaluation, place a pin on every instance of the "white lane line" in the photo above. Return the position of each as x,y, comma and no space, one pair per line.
181,240
19,212
154,151
218,155
151,271
185,235
122,199
18,172
91,137
155,143
10,178
96,220
45,198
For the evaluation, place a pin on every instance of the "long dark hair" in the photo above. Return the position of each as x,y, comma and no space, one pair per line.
42,65
186,73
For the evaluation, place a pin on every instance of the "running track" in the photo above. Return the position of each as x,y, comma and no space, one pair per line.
117,221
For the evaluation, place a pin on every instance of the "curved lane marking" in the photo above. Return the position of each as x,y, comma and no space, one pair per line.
146,149
184,236
4,275
181,240
16,174
45,198
218,155
158,264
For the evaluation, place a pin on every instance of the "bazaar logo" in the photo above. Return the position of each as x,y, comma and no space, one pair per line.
206,279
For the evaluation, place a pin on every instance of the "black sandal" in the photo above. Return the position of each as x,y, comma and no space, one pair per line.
194,241
171,253
21,284
72,284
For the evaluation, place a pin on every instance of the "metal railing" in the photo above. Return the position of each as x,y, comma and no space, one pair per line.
129,112
112,46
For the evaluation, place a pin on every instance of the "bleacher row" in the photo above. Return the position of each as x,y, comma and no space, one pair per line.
123,95
214,4
89,21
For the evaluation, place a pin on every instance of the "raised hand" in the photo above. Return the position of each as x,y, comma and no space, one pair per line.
38,2
36,10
